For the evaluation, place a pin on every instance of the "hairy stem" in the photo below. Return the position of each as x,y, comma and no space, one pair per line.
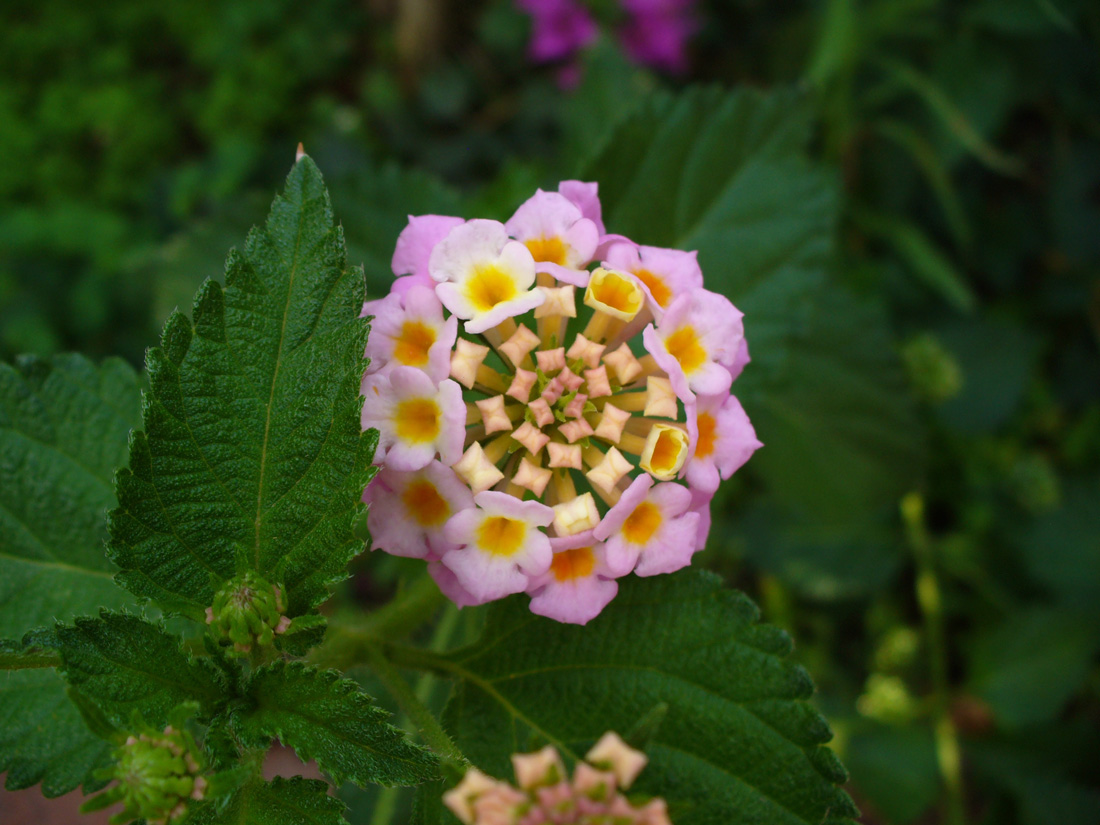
411,705
28,659
350,634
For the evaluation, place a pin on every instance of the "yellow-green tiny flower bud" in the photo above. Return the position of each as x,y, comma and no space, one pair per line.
247,611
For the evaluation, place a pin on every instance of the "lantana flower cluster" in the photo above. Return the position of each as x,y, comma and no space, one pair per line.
652,32
547,796
553,404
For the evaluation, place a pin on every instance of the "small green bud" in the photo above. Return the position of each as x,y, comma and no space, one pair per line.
933,370
158,773
247,611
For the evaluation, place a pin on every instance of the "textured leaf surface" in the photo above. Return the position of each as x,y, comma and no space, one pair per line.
327,718
739,743
282,801
725,173
252,449
124,663
63,429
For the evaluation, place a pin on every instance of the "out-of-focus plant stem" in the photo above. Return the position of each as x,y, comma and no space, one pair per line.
948,753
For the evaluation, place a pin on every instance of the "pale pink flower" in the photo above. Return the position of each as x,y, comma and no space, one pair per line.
699,332
408,509
561,240
409,331
500,545
724,440
579,583
650,530
484,277
416,419
665,274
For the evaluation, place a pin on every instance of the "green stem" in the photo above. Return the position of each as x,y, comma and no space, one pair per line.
948,752
28,659
350,634
418,713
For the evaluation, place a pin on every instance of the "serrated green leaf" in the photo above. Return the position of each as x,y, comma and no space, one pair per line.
63,429
252,450
123,663
739,743
725,173
296,801
42,736
330,719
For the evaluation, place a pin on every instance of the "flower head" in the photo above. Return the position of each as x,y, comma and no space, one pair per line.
546,795
550,421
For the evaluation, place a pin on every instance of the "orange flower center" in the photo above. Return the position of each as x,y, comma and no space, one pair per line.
425,503
573,564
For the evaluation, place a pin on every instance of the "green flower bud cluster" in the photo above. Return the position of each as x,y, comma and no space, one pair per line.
247,611
933,370
158,775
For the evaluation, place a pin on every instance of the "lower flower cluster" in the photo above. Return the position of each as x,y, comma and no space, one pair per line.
553,405
547,796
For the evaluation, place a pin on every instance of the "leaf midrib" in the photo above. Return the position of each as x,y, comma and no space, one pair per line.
274,381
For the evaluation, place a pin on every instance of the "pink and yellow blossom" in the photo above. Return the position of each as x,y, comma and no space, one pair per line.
553,406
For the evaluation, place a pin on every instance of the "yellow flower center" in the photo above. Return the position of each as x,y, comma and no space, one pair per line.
547,250
665,451
573,564
684,345
411,346
417,420
657,287
640,525
425,504
501,536
490,286
707,426
614,294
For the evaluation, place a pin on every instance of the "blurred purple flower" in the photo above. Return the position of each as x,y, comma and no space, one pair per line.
561,28
657,32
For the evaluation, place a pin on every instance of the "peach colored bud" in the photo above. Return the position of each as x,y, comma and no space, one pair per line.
477,470
559,301
551,360
460,798
565,455
587,351
543,767
465,360
520,388
575,430
542,412
612,422
598,383
576,516
530,437
531,477
660,400
626,366
493,414
521,342
609,471
612,752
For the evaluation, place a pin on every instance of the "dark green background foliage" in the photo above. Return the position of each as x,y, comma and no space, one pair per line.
902,195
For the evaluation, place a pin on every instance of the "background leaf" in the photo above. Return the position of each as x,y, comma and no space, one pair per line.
252,450
725,173
63,429
739,742
330,719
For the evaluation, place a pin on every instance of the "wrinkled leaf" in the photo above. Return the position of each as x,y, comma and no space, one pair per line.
330,719
252,453
739,741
